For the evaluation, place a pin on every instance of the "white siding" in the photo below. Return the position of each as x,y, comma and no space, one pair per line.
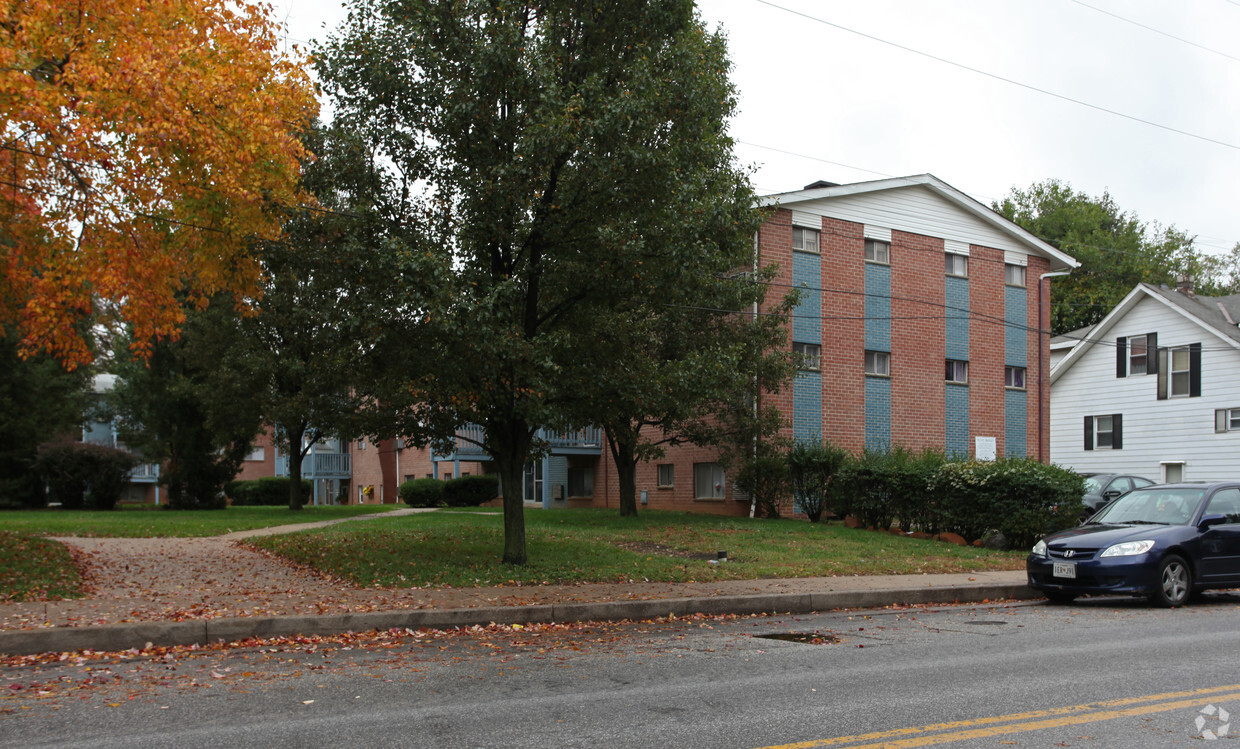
917,210
1154,431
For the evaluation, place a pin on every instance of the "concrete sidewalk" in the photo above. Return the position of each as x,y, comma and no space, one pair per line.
198,591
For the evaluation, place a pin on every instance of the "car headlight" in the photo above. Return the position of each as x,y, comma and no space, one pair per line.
1039,549
1128,549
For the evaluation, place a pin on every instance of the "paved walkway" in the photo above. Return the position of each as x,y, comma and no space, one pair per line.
184,590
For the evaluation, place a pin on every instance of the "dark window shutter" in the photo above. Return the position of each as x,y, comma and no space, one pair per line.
1151,358
1121,357
1089,433
1194,370
1117,431
1162,374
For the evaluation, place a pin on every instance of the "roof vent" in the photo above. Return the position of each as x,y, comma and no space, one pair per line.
821,183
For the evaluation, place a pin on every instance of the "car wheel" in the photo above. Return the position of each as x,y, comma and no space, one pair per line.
1059,596
1174,582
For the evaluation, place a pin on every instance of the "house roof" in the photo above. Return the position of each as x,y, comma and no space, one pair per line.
1070,339
819,191
1217,315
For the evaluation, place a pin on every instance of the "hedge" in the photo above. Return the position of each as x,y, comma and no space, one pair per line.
470,491
82,474
422,492
271,491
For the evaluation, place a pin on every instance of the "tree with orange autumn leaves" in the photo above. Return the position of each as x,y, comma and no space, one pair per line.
142,145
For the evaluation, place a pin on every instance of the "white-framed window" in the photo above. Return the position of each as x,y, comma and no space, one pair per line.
1013,275
956,371
361,443
258,453
805,240
877,251
1014,377
957,265
1181,367
811,354
667,474
878,363
1104,432
708,481
1138,354
1227,420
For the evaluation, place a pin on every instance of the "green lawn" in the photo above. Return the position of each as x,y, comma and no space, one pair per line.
154,522
463,549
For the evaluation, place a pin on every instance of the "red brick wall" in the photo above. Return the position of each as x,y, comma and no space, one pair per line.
917,341
987,333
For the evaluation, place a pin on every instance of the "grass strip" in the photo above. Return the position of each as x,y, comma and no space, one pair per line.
155,522
463,549
36,569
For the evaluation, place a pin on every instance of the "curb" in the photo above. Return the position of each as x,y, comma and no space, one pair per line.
206,631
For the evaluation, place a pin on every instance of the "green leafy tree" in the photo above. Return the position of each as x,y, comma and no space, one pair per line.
311,351
812,466
572,160
1116,250
185,411
38,399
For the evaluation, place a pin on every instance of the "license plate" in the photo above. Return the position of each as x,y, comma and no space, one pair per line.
1064,569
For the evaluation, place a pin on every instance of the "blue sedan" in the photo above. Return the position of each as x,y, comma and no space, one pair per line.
1165,542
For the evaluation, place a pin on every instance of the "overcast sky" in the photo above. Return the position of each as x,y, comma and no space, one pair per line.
1134,97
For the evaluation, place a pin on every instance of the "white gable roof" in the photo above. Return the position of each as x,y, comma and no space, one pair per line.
920,204
1206,312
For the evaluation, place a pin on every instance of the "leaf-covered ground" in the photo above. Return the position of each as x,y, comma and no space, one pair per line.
36,569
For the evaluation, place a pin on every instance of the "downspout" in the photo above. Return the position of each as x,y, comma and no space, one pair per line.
1042,404
757,396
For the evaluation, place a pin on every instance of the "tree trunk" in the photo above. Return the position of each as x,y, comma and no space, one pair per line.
295,456
623,445
509,444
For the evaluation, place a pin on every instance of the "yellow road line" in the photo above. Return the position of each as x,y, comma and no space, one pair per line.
1030,721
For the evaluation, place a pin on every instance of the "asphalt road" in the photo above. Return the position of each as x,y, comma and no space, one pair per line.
1099,673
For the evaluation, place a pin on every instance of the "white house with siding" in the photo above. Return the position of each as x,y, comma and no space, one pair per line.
1153,390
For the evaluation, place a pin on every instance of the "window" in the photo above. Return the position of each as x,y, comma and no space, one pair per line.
361,444
957,265
1104,432
258,453
877,251
708,481
580,482
957,371
1179,372
1227,420
667,474
811,353
1135,355
1014,275
1014,377
878,363
1225,502
805,240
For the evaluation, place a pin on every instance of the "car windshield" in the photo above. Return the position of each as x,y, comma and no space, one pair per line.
1093,485
1159,506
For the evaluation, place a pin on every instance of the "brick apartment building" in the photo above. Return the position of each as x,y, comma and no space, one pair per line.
921,309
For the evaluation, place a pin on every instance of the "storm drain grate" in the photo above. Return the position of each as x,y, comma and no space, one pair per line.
990,622
806,638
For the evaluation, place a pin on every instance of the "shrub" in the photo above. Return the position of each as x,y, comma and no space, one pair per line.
81,474
271,491
469,491
765,478
422,493
812,466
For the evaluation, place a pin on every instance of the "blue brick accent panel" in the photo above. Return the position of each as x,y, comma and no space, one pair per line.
1016,315
807,407
956,333
877,307
956,426
877,413
1016,414
807,317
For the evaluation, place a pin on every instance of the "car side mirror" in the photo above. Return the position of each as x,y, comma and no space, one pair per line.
1211,520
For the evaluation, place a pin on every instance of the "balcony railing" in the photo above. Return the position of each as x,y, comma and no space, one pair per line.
144,473
582,442
320,466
